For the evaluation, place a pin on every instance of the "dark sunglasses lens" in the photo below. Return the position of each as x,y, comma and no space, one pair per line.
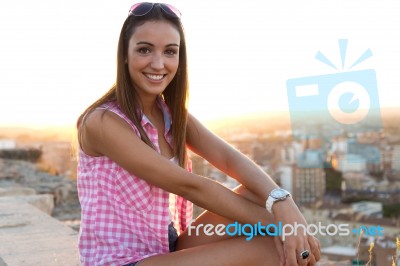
140,9
171,10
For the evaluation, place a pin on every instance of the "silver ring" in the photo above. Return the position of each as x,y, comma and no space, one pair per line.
304,254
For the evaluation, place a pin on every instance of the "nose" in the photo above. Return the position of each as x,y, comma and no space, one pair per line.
157,61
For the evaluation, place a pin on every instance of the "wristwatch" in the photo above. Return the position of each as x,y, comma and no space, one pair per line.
277,194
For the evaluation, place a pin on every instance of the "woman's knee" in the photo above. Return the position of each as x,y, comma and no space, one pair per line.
232,251
265,245
195,234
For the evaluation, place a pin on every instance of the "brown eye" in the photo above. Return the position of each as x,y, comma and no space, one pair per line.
143,50
171,52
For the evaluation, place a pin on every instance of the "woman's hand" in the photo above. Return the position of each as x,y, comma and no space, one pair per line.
291,246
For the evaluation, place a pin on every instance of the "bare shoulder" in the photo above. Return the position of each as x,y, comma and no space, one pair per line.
197,131
195,128
200,138
96,127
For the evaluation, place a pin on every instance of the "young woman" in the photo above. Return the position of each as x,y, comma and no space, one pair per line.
134,180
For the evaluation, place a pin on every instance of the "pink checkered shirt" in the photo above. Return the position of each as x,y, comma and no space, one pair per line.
125,219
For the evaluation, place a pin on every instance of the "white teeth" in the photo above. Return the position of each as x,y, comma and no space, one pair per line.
155,77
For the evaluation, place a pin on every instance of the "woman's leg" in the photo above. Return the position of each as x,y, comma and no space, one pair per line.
218,250
190,238
236,251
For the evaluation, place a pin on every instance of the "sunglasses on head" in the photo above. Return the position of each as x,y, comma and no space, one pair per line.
141,9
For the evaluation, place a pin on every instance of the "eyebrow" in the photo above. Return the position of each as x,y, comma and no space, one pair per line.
150,44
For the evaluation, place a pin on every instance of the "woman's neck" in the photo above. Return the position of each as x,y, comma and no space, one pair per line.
150,107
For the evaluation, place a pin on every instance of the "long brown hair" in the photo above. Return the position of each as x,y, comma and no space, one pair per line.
175,95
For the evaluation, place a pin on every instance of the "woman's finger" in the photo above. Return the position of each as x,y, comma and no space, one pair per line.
279,249
312,261
304,254
314,247
291,248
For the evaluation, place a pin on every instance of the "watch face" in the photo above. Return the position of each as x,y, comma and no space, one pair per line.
278,193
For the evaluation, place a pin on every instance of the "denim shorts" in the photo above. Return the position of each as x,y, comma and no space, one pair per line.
132,264
172,237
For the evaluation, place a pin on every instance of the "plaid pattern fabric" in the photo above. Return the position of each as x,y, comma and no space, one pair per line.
125,219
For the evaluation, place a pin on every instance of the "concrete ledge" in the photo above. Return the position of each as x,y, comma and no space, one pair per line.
31,237
43,202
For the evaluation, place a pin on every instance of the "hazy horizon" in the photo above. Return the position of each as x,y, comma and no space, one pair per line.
278,119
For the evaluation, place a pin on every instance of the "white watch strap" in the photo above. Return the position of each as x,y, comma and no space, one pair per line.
268,204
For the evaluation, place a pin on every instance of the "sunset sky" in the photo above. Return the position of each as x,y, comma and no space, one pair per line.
58,56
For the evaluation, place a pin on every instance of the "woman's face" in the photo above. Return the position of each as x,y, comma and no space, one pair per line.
153,57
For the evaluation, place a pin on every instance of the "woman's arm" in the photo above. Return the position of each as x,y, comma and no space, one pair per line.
235,164
227,159
104,133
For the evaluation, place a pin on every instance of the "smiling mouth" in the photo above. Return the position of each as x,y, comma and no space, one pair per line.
154,77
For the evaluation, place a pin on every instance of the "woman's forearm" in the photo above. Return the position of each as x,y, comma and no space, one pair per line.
224,202
249,174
